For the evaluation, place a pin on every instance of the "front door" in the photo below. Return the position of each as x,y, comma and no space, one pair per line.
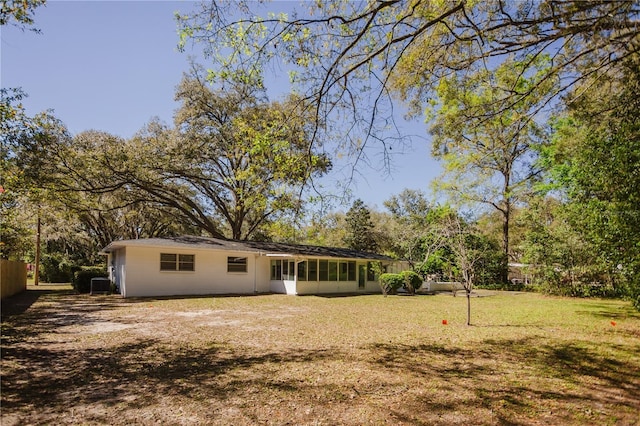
362,275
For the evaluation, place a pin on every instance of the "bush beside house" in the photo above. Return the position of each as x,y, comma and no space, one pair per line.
411,281
82,278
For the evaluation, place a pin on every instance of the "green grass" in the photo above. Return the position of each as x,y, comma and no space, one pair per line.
527,359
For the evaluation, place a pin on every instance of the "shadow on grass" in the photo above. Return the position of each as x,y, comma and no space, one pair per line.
138,374
25,319
129,375
338,295
543,373
19,303
610,311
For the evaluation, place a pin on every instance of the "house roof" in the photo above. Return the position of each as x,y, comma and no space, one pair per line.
266,248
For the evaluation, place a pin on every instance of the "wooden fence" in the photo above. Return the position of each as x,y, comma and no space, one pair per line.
13,278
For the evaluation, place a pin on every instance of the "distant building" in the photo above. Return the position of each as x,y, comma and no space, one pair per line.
518,273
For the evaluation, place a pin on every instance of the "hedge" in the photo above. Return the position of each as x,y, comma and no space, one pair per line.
411,281
82,278
390,283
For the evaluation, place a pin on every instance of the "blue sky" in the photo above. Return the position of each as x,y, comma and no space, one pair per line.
113,65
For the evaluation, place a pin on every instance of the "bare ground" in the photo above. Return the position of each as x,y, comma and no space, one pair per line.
79,359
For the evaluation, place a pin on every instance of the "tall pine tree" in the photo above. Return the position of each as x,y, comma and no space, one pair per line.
360,234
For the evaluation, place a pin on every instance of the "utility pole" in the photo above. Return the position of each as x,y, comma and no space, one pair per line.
36,276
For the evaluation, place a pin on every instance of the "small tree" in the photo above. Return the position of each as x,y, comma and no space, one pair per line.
463,243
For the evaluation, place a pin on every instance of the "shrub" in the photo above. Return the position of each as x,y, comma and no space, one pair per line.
411,281
55,268
82,278
390,283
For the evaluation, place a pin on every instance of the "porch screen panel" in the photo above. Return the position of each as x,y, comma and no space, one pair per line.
302,271
276,269
292,270
343,268
323,270
351,270
313,270
333,271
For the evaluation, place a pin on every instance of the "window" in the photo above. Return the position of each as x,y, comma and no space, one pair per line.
302,271
168,262
236,264
186,262
177,262
313,270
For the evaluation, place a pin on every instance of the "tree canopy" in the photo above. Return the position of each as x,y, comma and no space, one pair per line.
340,53
232,163
594,163
489,150
19,12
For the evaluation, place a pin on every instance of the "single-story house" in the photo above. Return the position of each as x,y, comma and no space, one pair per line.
191,265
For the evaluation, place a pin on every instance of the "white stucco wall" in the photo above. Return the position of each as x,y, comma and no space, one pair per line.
263,282
143,277
136,270
116,267
119,268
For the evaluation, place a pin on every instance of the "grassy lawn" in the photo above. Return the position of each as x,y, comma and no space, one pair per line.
528,359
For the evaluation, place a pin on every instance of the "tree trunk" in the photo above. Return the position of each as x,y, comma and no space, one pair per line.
468,307
506,218
36,274
505,242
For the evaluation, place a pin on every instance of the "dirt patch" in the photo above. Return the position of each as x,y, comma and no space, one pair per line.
104,327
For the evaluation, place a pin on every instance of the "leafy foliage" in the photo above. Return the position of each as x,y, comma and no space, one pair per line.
485,140
56,267
232,164
341,53
594,163
21,197
410,212
20,11
411,281
390,283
